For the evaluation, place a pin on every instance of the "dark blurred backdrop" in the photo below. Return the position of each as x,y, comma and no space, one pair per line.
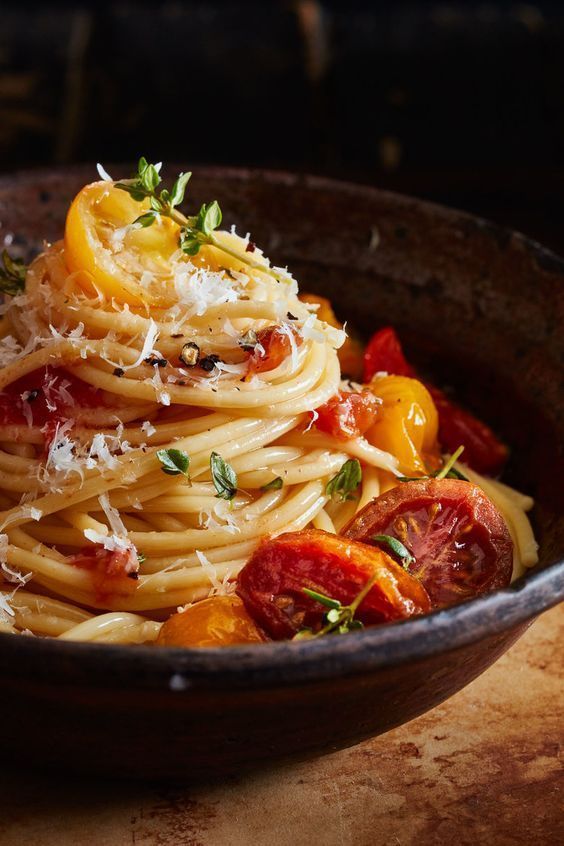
460,102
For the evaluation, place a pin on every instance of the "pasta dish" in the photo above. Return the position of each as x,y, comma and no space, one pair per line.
194,453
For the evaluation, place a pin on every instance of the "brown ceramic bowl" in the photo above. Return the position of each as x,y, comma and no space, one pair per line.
481,309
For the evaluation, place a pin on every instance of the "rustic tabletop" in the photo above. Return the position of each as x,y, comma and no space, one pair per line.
483,768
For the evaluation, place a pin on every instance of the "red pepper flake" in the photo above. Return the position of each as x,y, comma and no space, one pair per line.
251,247
119,371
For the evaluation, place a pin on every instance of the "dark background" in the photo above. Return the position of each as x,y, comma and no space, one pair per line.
460,102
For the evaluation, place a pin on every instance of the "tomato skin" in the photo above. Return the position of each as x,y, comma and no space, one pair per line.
114,572
48,405
216,621
461,543
483,451
271,583
407,423
383,354
348,414
98,210
275,342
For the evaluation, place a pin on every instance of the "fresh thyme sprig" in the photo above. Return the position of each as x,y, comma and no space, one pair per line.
448,471
345,481
339,619
12,275
195,230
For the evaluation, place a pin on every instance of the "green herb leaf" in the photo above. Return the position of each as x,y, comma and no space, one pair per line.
397,548
190,242
223,476
209,217
12,275
148,175
275,485
141,558
146,219
453,473
340,619
346,480
443,473
174,461
321,598
303,634
179,189
448,471
412,478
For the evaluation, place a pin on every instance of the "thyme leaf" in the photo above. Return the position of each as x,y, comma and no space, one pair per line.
447,471
346,480
12,275
274,485
174,462
223,476
397,547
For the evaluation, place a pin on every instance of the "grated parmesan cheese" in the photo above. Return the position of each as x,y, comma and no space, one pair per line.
148,428
314,416
103,173
100,452
286,329
146,350
201,289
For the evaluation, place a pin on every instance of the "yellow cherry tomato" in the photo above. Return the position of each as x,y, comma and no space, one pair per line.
217,621
100,242
407,423
352,352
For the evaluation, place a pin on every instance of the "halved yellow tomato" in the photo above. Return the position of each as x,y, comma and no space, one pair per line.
100,242
407,423
217,621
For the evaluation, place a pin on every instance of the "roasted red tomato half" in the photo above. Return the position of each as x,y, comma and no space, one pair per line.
348,414
460,542
482,450
271,583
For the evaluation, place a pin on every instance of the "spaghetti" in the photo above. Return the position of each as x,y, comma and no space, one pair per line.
126,351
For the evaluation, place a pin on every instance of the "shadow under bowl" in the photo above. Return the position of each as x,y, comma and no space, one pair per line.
478,307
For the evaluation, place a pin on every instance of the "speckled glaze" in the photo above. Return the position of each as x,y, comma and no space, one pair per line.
479,308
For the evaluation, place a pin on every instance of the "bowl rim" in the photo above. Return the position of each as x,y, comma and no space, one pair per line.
178,670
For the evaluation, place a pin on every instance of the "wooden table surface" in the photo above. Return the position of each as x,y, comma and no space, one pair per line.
483,768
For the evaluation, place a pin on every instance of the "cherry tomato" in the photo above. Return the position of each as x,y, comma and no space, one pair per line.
274,345
460,542
383,354
407,423
348,414
45,394
217,621
482,450
351,353
113,571
271,583
116,264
